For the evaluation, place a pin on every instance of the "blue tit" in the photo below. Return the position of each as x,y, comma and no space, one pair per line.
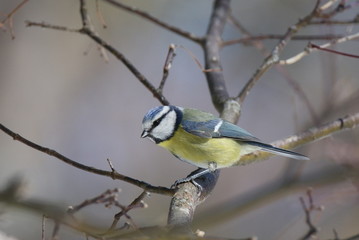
203,140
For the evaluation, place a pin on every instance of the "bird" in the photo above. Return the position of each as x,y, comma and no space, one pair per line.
202,139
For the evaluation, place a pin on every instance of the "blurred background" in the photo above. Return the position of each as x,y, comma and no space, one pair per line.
56,90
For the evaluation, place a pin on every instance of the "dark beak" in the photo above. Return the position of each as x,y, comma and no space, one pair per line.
144,134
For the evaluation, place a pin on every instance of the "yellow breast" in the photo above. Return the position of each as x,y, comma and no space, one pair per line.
201,151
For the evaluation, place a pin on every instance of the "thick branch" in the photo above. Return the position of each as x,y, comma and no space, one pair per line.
188,196
211,47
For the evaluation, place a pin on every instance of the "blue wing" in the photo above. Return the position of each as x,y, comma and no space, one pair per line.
217,128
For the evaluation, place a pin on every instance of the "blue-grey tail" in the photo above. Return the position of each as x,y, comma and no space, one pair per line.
277,151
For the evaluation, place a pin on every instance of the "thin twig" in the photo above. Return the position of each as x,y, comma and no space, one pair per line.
8,18
146,186
168,64
196,60
100,15
128,64
43,225
311,45
86,30
269,193
309,49
335,22
328,4
106,197
56,230
154,20
137,202
248,39
308,210
311,135
51,26
339,8
295,86
273,58
169,59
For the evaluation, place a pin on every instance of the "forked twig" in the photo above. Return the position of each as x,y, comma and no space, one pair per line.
273,58
310,49
136,203
308,210
169,59
86,30
8,18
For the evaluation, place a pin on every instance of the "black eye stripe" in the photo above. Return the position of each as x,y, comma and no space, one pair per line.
159,120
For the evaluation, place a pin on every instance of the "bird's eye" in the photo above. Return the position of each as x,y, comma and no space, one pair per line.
156,123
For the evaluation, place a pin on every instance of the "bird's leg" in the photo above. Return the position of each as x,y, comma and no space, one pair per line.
212,166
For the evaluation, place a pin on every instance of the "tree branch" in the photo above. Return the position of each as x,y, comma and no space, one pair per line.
248,39
8,18
154,20
308,210
311,135
86,30
211,47
114,175
310,49
273,58
188,195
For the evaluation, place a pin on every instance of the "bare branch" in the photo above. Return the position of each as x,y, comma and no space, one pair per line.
328,4
168,64
273,58
99,15
106,197
248,39
308,210
84,16
267,194
51,26
335,22
311,135
8,18
87,31
137,202
43,224
188,195
154,20
211,48
90,33
309,49
311,45
295,86
115,175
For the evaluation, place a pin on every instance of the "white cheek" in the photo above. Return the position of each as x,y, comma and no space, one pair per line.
166,127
